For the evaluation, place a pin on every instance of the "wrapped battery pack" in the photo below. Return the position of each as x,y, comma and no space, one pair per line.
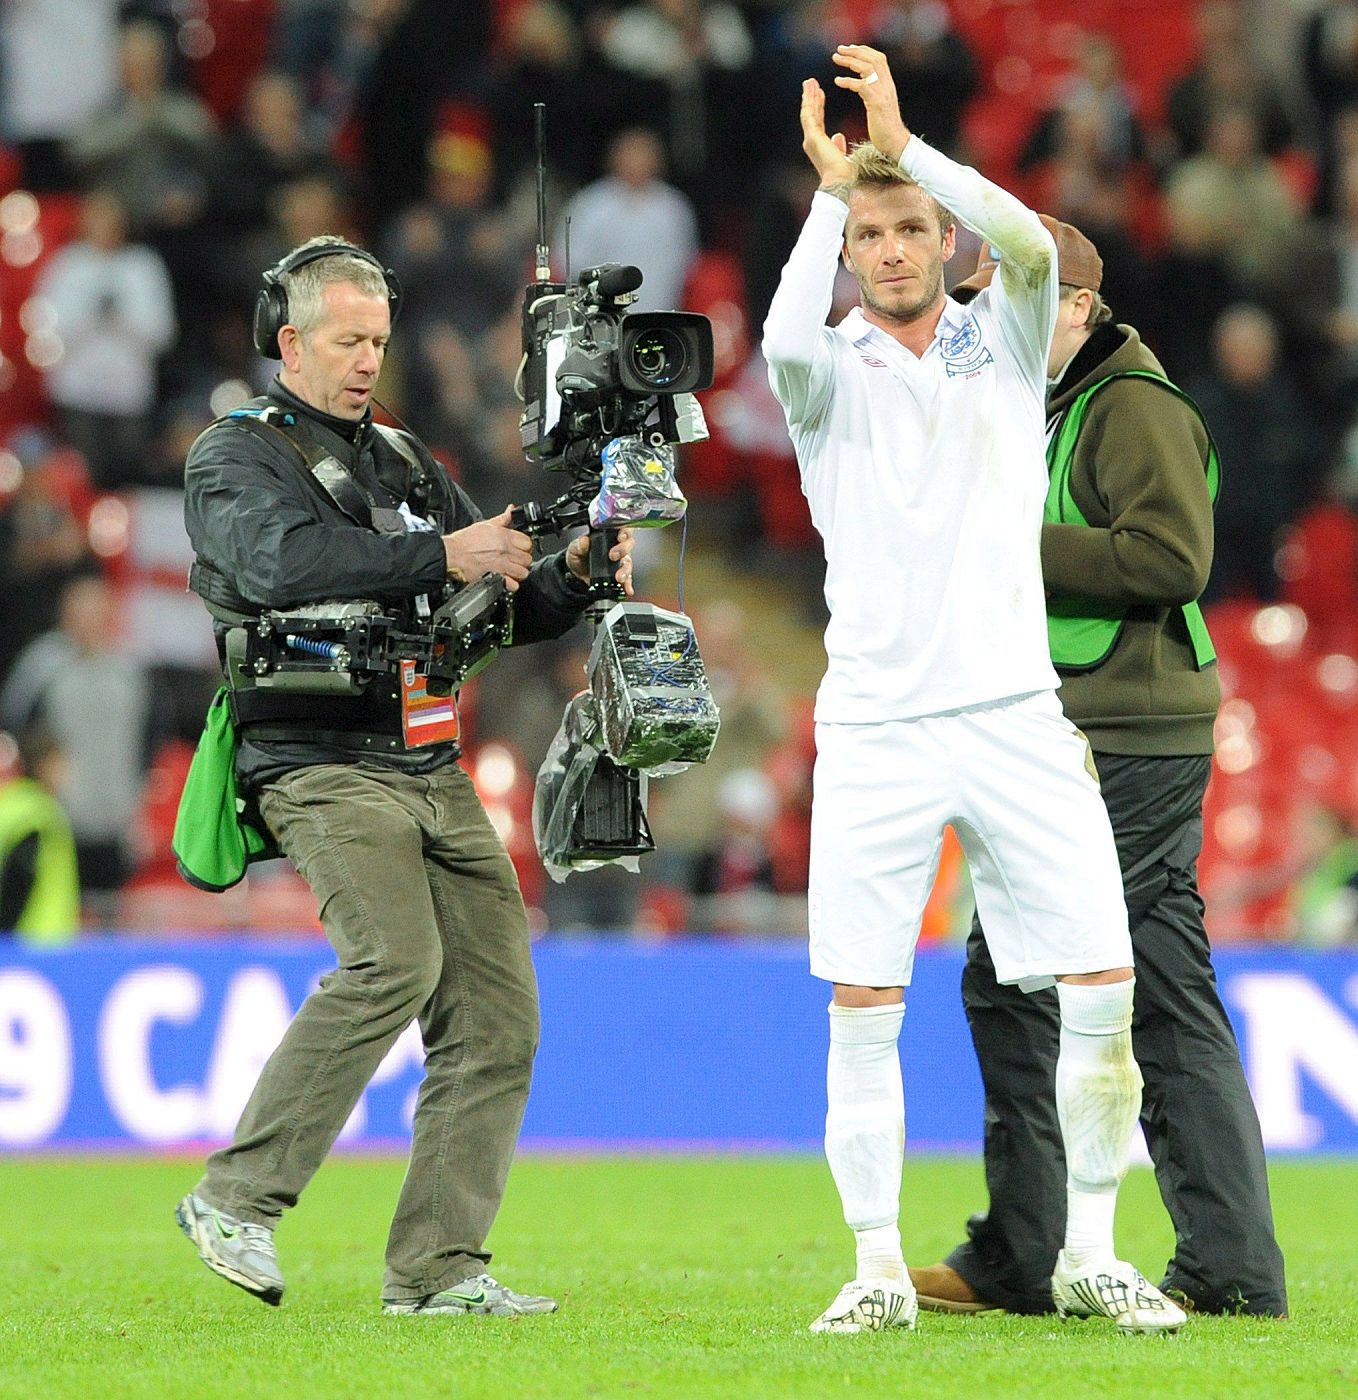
587,811
655,708
637,486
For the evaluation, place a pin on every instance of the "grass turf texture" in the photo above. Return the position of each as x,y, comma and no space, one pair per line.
678,1277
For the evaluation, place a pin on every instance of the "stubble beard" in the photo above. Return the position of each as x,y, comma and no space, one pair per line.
903,315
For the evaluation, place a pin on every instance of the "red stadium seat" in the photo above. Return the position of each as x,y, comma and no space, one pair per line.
715,286
1319,566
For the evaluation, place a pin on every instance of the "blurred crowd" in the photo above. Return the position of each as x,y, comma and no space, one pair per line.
156,156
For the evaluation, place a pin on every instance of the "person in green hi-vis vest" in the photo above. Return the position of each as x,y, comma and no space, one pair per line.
39,886
1126,550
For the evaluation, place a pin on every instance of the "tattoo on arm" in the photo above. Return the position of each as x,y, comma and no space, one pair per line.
840,189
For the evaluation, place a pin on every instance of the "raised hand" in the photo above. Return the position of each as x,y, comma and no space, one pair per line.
869,75
829,154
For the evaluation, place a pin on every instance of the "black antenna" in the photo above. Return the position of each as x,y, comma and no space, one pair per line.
544,259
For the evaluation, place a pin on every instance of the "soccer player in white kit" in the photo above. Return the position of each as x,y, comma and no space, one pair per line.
919,426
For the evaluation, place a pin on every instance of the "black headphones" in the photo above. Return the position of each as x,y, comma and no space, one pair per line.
271,305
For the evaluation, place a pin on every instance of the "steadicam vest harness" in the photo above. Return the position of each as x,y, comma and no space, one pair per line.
271,715
1082,632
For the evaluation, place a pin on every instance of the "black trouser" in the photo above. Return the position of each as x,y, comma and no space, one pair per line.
1196,1112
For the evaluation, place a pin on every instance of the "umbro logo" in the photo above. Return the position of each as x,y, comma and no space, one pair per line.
873,361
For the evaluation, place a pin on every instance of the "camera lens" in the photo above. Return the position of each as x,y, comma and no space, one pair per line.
658,357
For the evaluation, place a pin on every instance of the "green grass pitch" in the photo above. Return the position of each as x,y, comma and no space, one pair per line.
678,1277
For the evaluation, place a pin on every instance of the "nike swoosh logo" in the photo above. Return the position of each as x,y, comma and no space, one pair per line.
478,1297
226,1234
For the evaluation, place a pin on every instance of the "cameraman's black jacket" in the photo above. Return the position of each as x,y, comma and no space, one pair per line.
268,535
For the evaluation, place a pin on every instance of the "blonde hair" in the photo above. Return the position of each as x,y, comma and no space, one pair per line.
875,170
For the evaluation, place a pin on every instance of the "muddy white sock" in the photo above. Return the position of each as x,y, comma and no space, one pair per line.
1098,1098
865,1130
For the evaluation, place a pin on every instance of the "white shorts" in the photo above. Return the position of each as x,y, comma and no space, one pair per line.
1015,779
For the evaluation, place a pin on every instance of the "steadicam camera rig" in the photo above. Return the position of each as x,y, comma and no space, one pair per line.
336,648
607,394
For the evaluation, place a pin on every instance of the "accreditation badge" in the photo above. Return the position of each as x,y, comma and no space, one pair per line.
425,718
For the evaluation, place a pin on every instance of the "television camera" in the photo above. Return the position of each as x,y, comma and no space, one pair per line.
608,394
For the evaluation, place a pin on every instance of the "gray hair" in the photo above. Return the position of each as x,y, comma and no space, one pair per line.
305,288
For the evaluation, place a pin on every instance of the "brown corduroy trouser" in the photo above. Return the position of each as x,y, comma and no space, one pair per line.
421,904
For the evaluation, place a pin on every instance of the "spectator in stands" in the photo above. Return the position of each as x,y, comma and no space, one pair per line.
94,702
935,70
1326,287
271,143
154,143
1080,185
789,41
304,36
633,216
542,54
779,202
1267,450
379,81
301,209
738,859
1226,74
58,67
113,309
682,61
1097,97
274,144
39,887
461,388
1330,66
459,266
42,545
733,878
463,265
1238,201
1190,286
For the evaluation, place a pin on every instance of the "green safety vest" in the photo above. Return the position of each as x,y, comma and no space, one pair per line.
52,913
1083,631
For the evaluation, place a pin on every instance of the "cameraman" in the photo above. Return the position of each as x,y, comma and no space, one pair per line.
299,498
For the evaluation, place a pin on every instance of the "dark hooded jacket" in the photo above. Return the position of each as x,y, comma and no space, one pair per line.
1139,479
273,535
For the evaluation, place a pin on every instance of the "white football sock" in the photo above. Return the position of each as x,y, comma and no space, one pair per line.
1098,1098
879,1254
865,1130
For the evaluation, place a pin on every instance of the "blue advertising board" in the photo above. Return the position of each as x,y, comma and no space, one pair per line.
128,1044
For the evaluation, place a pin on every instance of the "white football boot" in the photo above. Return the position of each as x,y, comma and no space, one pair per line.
1116,1291
870,1305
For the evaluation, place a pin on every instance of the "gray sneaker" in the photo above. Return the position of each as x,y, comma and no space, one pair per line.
481,1294
241,1252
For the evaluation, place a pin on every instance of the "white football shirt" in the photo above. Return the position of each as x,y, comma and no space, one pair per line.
926,475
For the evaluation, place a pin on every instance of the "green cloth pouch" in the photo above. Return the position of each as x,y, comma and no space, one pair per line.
214,840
